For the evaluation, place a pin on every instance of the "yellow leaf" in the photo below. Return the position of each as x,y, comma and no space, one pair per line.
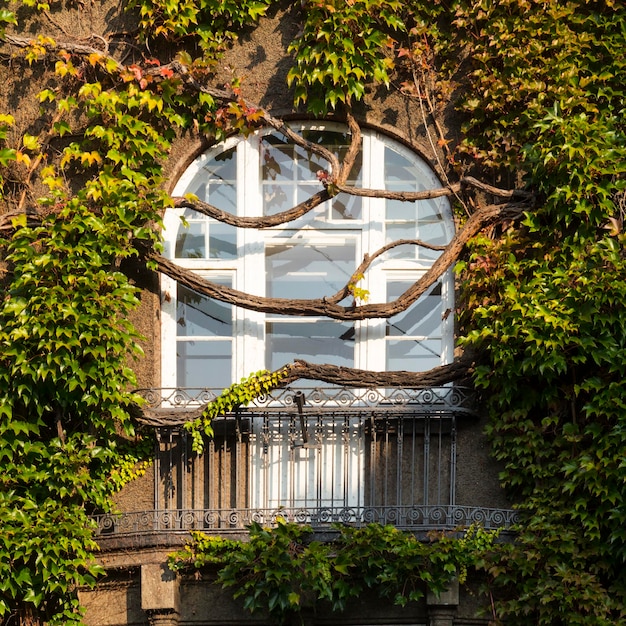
89,158
18,221
21,157
30,142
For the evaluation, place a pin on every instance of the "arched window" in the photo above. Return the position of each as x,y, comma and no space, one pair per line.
206,343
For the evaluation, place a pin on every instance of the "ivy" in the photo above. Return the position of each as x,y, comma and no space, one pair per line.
210,24
544,304
237,395
507,98
6,154
283,570
63,372
344,46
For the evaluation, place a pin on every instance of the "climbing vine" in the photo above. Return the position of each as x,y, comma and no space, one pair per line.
545,302
538,86
284,570
238,395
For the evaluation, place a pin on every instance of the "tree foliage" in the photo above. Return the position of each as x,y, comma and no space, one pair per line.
284,570
545,302
539,85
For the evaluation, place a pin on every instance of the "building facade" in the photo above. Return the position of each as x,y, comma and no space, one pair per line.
308,452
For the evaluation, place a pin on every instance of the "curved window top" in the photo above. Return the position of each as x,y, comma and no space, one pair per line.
310,257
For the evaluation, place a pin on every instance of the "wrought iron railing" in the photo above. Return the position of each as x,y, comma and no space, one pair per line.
314,456
450,399
412,518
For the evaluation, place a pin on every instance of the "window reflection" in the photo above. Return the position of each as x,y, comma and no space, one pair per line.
415,336
319,341
289,174
204,330
308,269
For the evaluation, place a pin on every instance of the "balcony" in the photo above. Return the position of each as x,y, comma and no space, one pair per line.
312,456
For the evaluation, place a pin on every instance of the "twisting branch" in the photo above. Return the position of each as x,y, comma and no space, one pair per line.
351,377
404,196
329,307
308,205
353,150
449,190
322,196
368,259
460,369
254,222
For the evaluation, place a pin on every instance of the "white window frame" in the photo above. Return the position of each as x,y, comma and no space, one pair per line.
248,269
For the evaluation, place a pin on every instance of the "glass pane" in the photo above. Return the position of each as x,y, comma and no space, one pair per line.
394,232
200,316
309,164
422,319
304,192
223,166
198,189
430,210
332,139
337,143
433,232
399,211
277,198
277,160
219,173
318,341
201,364
190,241
346,207
289,165
223,196
397,167
413,355
222,241
308,270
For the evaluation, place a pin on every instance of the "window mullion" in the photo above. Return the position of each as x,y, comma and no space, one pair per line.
249,331
168,331
371,351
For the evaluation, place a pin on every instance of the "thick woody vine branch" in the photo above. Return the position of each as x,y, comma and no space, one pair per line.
460,369
254,222
329,306
353,150
314,201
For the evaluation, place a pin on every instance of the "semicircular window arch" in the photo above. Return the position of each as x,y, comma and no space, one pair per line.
209,344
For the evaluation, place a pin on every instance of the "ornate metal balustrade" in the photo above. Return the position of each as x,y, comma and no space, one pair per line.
315,456
411,518
452,398
172,406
